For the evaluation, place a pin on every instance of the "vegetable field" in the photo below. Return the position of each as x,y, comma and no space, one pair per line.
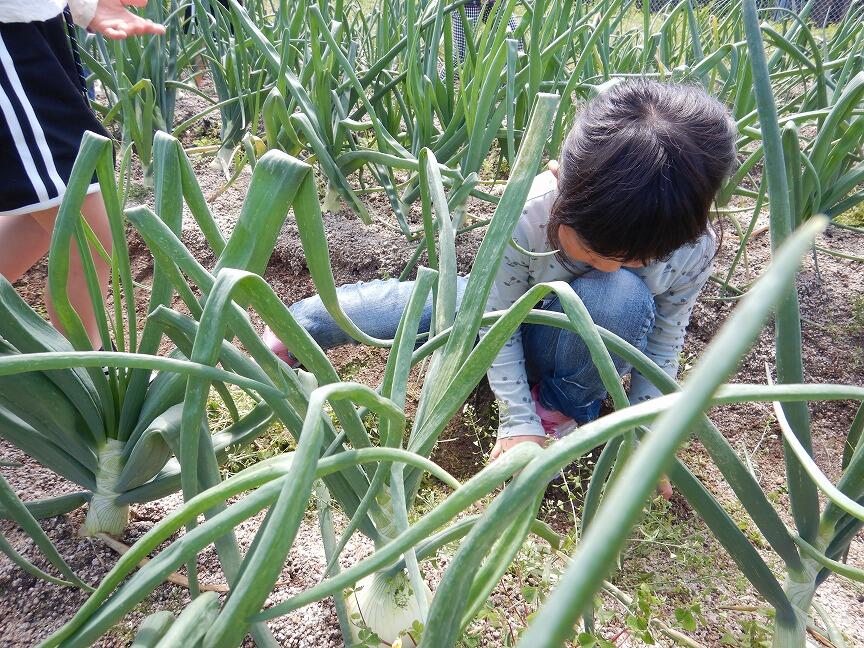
188,488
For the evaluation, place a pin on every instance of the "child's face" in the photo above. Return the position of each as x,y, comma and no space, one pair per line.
576,250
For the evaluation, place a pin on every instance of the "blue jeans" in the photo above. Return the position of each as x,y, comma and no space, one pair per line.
555,359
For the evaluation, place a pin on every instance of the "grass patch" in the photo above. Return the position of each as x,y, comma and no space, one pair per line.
205,139
853,217
274,441
137,193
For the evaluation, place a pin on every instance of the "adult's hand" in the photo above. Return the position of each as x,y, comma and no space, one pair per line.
113,20
503,445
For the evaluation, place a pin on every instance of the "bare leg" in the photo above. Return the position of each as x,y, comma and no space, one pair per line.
25,239
95,215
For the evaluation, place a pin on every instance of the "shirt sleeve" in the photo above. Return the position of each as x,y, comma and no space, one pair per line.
83,11
13,11
507,377
674,307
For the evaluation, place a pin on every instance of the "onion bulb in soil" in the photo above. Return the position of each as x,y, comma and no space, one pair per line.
386,606
104,515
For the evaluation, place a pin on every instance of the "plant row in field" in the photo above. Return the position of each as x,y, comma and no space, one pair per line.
361,90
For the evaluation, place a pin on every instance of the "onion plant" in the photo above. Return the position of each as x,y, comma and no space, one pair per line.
374,497
823,535
112,433
235,70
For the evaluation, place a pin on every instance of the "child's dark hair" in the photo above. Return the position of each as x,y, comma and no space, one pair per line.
640,168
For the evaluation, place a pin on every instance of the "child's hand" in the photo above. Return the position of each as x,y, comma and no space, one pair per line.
664,488
503,445
114,21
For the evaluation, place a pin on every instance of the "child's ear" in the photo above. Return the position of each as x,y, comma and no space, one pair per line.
553,168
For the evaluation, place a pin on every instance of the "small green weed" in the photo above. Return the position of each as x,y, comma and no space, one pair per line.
480,427
754,633
856,324
366,638
275,441
207,139
351,369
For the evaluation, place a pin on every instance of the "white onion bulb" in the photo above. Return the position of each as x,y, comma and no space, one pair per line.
387,607
104,515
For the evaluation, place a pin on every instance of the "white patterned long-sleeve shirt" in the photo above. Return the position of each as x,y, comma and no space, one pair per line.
674,282
12,11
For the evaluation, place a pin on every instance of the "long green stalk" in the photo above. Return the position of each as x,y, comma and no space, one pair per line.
787,323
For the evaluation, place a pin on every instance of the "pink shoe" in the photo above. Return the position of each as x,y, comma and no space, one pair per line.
554,422
278,347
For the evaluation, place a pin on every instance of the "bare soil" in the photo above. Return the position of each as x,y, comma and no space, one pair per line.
683,566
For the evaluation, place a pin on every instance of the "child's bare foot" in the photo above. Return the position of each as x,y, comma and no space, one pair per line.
278,347
554,423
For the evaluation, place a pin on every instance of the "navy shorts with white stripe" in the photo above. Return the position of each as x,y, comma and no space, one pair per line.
43,115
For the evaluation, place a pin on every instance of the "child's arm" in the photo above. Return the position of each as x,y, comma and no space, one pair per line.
507,378
674,306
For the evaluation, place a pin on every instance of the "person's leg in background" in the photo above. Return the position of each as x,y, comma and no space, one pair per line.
557,361
25,239
475,11
472,13
511,21
376,308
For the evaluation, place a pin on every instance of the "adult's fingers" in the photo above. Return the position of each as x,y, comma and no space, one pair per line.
143,26
113,29
127,25
135,26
